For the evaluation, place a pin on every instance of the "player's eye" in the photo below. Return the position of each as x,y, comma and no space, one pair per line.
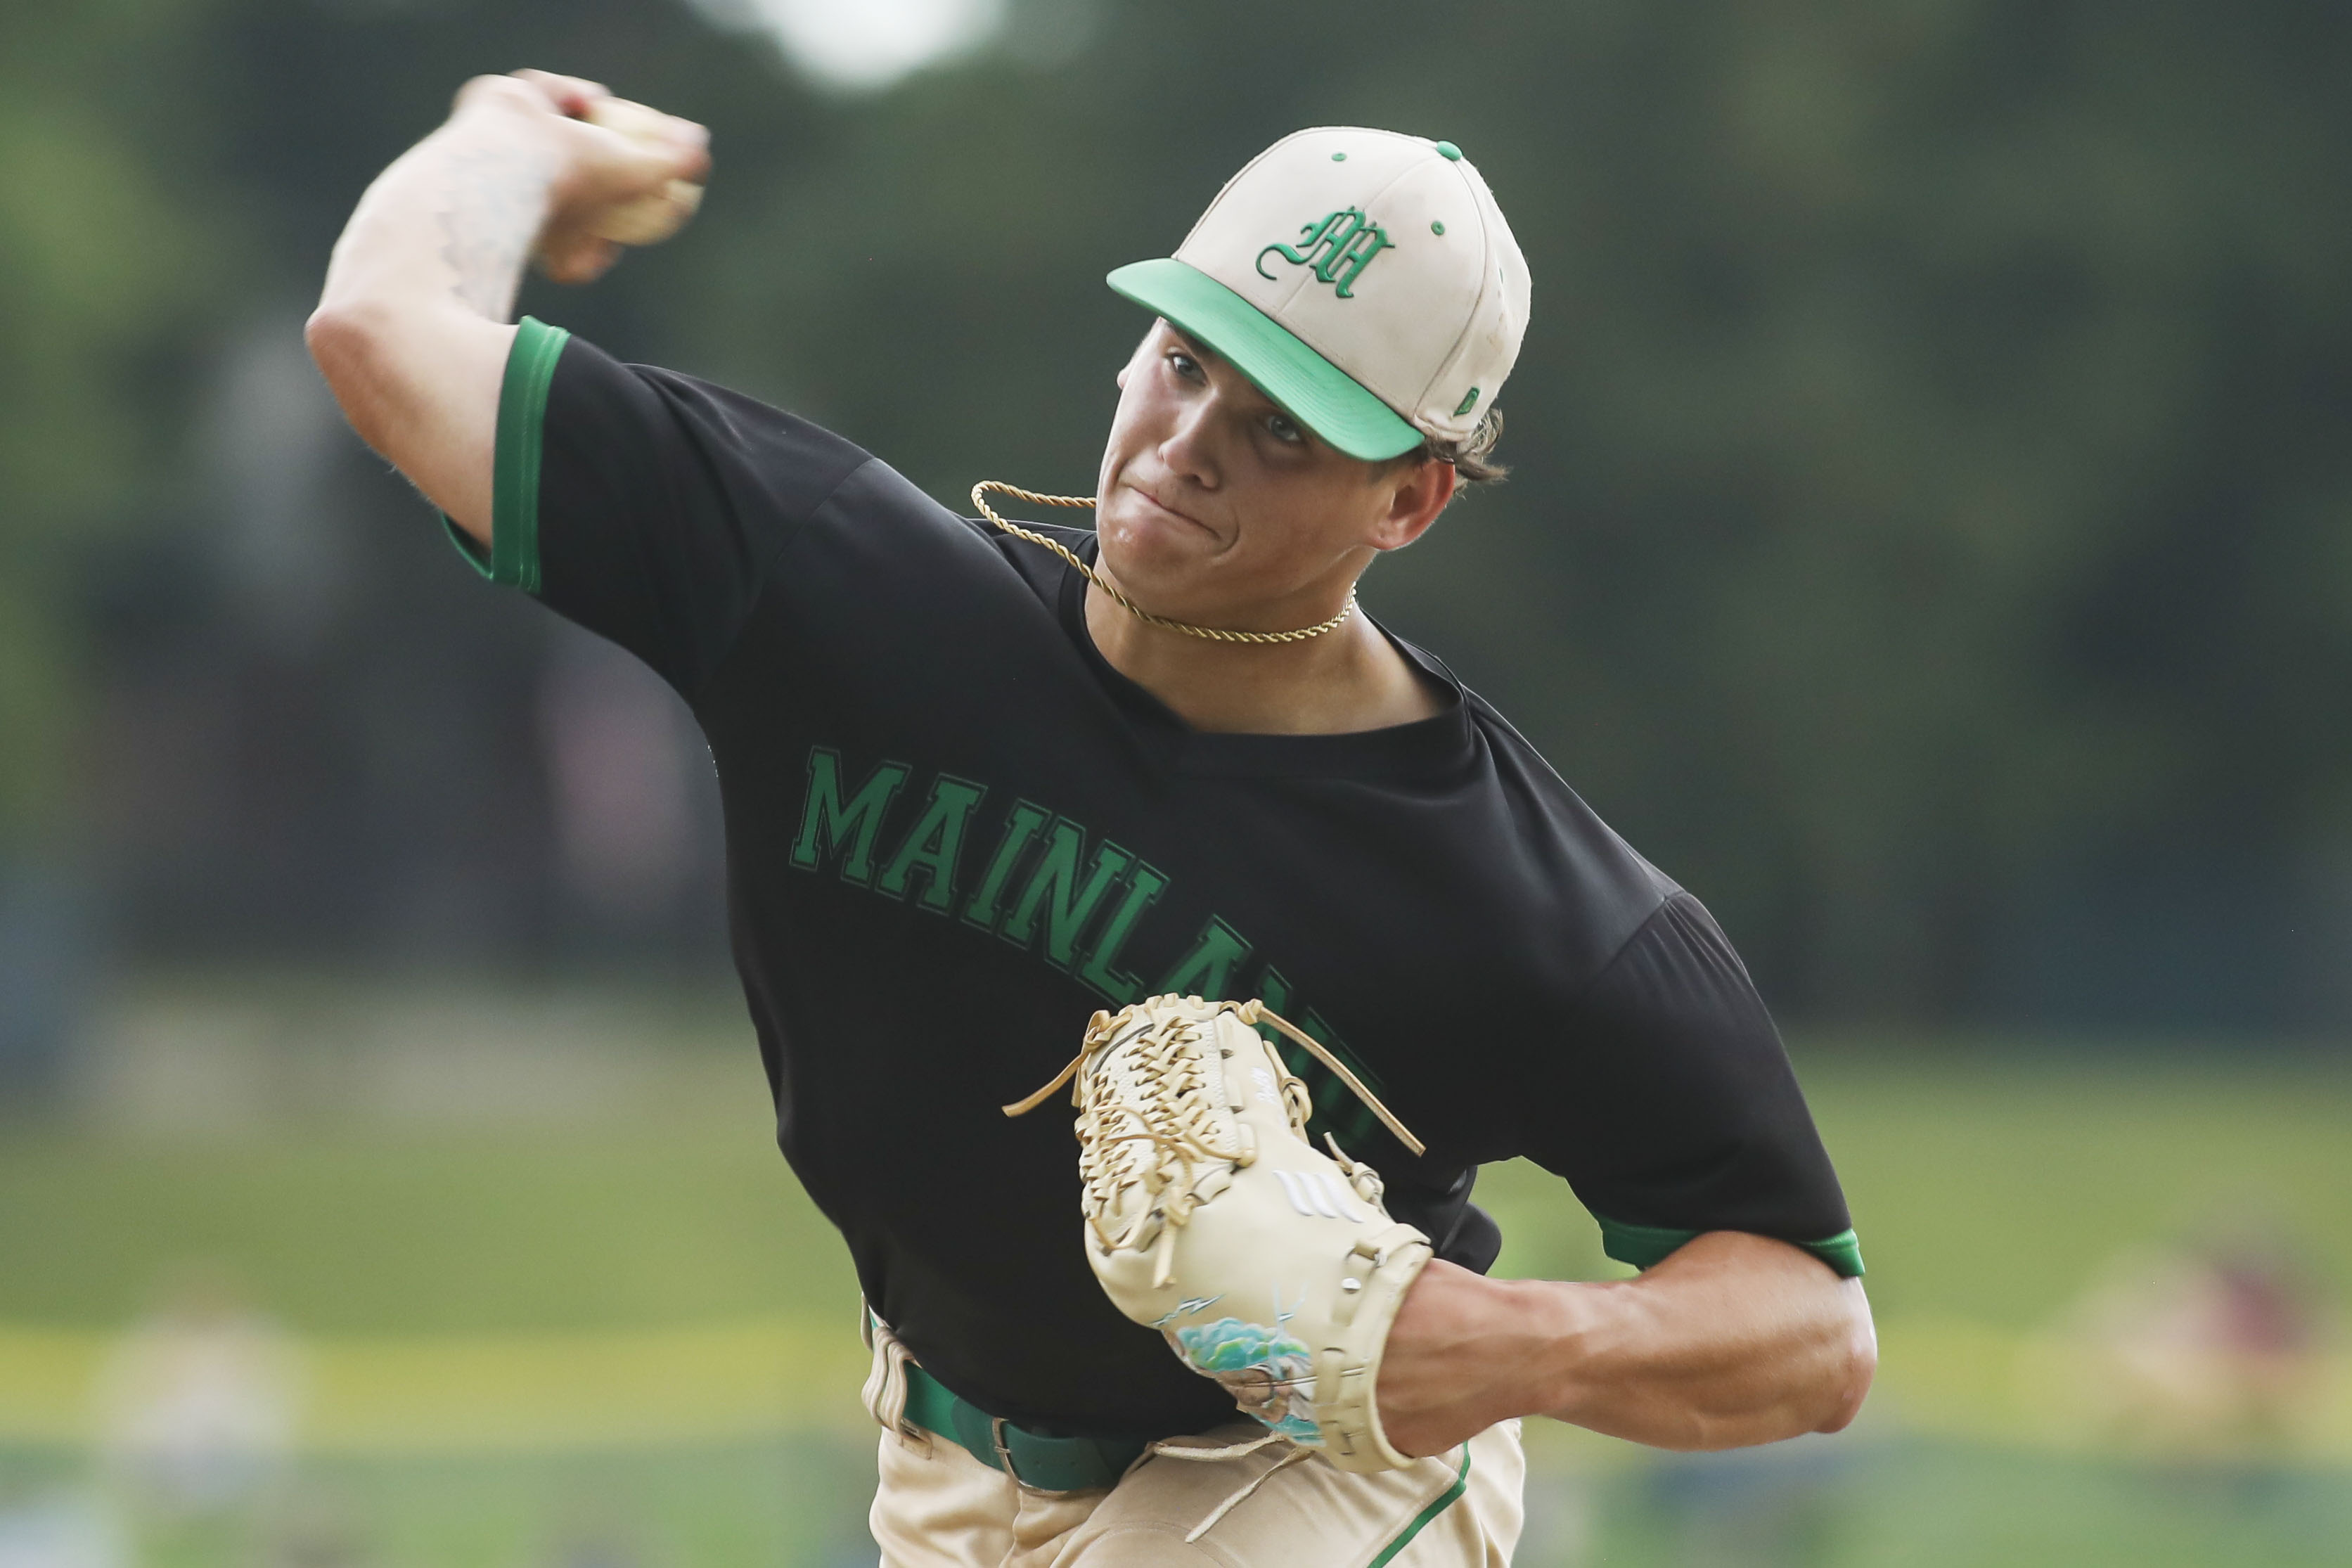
1184,364
1284,429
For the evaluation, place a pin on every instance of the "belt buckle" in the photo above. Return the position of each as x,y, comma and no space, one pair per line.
996,1424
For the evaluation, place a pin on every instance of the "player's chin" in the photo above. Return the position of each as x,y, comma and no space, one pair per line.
1147,549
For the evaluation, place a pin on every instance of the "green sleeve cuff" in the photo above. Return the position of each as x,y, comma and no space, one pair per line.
513,555
1644,1246
467,545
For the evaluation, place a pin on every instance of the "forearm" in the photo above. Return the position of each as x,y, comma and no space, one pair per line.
411,331
1732,1340
449,225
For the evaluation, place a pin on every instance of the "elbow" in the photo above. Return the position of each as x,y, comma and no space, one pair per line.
351,343
1853,1368
1825,1396
344,337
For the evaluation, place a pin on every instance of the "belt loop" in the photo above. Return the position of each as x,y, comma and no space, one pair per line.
886,1388
1004,1453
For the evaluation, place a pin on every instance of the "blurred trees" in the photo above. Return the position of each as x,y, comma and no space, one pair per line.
1928,538
103,258
103,264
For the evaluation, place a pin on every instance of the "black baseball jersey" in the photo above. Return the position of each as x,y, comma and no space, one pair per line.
954,832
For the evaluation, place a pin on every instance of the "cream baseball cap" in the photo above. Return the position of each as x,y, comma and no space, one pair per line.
1363,279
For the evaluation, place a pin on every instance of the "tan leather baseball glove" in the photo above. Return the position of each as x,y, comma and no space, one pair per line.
1267,1264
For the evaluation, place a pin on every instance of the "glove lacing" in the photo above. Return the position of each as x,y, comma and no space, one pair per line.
1156,1122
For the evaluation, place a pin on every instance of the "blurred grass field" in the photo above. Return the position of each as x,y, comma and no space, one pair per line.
528,1320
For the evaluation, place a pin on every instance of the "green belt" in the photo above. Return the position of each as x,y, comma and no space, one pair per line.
1035,1460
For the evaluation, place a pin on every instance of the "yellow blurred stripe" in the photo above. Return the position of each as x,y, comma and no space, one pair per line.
560,1390
1951,1376
556,1391
46,1379
1956,1378
470,1392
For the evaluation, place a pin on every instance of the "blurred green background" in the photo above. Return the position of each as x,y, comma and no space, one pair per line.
1931,539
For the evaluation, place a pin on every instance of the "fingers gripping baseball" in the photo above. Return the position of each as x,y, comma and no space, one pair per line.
679,145
626,174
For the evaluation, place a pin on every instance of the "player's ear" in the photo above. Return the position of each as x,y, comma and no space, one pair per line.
1418,488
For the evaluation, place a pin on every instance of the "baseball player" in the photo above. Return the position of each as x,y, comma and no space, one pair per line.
980,782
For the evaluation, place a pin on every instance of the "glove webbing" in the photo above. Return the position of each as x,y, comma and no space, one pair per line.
1252,1012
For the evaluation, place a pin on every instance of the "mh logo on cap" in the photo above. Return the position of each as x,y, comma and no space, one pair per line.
1338,246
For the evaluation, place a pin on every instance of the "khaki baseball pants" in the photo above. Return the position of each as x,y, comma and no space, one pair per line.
1272,1506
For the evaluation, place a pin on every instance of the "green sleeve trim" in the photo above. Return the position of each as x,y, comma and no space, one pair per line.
1645,1245
1437,1505
467,545
1841,1252
514,465
514,483
513,556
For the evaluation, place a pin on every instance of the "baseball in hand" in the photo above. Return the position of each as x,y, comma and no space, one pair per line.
648,219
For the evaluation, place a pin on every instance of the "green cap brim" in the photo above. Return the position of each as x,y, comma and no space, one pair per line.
1308,387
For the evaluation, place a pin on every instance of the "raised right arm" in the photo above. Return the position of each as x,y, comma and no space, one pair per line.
412,329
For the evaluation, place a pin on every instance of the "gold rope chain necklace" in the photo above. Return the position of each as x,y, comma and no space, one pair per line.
1214,634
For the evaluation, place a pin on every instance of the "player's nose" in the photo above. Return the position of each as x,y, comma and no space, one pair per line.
1188,450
